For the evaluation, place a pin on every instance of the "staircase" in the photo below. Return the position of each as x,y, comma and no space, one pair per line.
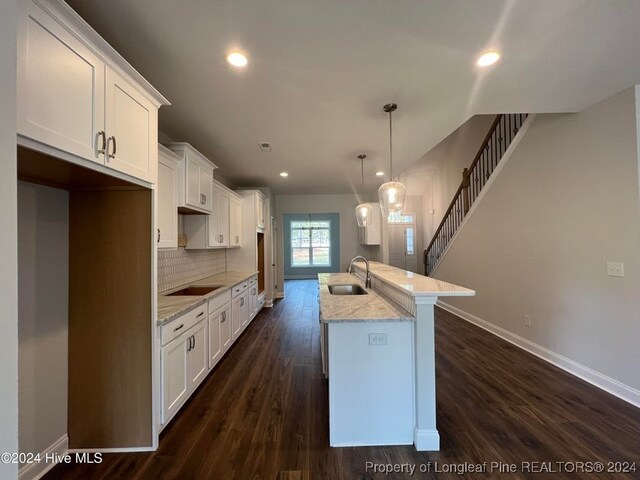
502,132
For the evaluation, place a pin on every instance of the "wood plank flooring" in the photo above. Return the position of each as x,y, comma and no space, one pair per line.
263,412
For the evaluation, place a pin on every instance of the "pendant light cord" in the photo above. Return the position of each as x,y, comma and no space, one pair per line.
390,147
362,169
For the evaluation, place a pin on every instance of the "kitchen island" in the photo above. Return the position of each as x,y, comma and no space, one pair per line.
380,358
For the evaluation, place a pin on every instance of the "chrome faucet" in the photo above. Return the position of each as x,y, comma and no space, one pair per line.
367,281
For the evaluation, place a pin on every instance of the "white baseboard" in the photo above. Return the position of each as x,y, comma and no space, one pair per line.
608,384
426,440
113,450
34,471
279,295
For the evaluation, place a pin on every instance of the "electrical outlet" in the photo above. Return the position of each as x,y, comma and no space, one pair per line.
615,269
527,320
377,339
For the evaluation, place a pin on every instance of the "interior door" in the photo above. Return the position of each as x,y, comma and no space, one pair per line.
402,246
274,255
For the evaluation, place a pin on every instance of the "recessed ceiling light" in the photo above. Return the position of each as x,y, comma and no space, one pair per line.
488,58
379,174
284,174
237,59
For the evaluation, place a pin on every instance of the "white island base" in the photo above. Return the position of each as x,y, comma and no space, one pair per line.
381,358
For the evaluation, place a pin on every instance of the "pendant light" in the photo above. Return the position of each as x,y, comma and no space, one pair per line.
364,211
392,193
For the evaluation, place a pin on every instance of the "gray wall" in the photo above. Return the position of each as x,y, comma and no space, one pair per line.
8,239
564,204
43,273
344,204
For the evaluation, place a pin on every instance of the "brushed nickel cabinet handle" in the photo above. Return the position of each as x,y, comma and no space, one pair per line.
200,314
115,146
158,235
178,328
224,317
104,142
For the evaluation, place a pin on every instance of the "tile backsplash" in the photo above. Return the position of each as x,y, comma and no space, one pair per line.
180,267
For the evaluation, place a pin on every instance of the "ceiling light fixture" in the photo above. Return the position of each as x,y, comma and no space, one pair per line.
364,211
237,59
391,194
284,174
488,58
379,174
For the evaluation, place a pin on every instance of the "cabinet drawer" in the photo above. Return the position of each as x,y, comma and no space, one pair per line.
239,289
219,301
253,281
181,324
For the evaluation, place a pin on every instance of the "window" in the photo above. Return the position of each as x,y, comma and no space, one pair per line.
310,243
399,217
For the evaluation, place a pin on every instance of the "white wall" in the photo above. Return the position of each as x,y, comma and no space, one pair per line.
437,175
43,273
564,204
344,204
8,239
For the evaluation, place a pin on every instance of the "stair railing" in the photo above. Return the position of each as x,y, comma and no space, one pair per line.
502,132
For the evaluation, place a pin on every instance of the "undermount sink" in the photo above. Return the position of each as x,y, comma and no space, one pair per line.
193,291
351,289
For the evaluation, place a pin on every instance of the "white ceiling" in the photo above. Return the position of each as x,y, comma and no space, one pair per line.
320,71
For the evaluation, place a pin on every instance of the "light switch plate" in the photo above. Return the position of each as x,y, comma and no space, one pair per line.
615,269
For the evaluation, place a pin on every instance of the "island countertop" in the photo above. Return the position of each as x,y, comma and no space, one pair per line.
356,308
170,308
413,283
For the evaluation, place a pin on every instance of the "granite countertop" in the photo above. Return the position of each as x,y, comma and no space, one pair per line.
355,308
415,284
170,308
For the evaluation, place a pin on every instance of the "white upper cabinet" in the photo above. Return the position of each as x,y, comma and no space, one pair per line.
78,99
221,228
260,211
167,198
131,128
235,222
196,179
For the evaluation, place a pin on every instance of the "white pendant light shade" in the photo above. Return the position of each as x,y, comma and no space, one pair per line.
391,195
364,212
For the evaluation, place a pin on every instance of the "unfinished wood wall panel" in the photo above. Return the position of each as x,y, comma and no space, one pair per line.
110,324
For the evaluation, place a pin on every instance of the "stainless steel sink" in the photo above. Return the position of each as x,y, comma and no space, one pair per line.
193,291
350,289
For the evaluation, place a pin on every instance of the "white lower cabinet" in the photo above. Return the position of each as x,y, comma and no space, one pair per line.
219,333
184,361
239,314
175,384
198,357
194,343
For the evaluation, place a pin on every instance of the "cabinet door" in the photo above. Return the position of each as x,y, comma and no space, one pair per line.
193,195
60,87
236,315
198,357
244,310
206,186
215,337
132,129
167,207
223,218
235,222
175,377
226,337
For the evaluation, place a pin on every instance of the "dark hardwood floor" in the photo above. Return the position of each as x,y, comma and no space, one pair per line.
263,412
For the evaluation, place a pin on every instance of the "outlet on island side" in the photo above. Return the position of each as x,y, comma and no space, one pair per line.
526,320
377,339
